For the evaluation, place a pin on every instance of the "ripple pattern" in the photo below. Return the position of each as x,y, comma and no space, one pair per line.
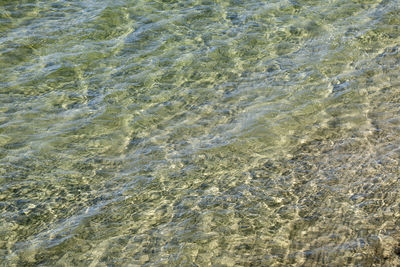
199,133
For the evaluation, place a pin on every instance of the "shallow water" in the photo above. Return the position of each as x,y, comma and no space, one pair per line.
196,133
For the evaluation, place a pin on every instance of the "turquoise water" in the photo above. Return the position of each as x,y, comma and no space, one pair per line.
199,133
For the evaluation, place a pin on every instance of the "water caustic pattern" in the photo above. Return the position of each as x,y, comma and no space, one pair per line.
200,133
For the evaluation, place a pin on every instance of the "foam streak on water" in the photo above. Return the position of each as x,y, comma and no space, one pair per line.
196,133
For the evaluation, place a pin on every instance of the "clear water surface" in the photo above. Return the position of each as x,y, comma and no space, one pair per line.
199,133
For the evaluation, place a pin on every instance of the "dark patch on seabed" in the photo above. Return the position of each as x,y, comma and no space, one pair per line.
345,186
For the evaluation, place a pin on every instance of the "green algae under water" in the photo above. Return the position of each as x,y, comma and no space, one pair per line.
200,133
